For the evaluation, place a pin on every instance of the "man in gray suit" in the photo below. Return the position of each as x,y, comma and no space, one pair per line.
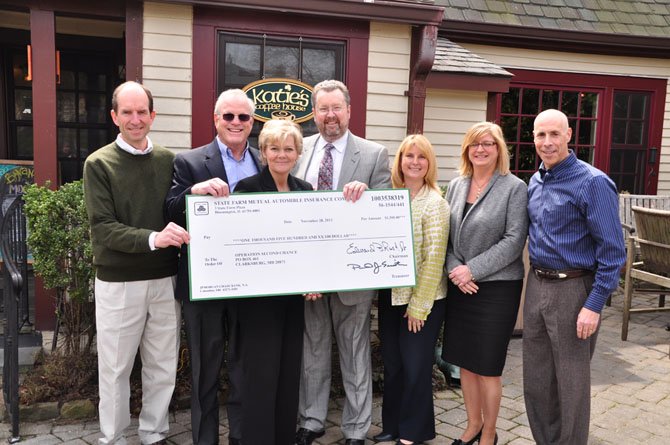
331,160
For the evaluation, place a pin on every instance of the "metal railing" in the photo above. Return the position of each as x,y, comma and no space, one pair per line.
15,272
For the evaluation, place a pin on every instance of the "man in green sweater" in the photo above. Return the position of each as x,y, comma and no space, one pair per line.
135,254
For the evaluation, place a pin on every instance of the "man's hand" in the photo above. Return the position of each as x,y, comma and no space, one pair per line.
587,323
214,187
171,235
354,190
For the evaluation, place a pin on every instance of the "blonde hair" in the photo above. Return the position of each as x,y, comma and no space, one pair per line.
278,131
426,148
476,132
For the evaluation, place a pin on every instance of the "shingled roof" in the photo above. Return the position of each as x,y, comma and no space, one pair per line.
650,18
453,58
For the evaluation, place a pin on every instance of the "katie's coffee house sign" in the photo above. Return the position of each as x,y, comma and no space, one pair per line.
280,99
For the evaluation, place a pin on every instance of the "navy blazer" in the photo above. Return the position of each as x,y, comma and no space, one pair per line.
263,182
190,168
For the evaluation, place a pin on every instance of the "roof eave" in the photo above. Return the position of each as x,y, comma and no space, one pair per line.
555,40
449,80
381,10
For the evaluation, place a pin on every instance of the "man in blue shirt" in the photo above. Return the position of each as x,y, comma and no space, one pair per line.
213,169
576,251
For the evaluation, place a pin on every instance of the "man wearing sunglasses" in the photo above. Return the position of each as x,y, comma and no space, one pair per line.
213,169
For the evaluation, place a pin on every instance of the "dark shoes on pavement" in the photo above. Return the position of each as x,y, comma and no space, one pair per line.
306,437
384,437
354,442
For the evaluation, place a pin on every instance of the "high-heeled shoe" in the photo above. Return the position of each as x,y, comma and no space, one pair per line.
469,442
495,439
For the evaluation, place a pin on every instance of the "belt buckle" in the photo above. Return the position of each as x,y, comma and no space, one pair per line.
549,275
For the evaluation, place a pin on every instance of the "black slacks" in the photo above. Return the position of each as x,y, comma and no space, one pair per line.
271,336
407,410
208,325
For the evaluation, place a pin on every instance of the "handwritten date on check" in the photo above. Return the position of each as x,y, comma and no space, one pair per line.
262,244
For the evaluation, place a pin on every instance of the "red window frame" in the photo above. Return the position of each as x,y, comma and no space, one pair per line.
207,22
606,86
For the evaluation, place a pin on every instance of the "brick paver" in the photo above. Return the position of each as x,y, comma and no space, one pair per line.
630,396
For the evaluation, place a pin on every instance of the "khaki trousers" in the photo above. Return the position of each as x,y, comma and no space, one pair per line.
131,315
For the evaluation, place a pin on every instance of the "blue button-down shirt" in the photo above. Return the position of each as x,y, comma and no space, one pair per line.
237,170
574,224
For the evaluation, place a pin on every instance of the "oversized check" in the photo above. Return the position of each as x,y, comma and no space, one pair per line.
259,244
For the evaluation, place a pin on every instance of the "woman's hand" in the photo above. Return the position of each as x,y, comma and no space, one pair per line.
311,296
413,324
462,277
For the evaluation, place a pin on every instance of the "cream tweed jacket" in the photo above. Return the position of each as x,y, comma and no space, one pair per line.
430,221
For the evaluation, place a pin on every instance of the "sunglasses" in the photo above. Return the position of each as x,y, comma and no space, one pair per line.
228,117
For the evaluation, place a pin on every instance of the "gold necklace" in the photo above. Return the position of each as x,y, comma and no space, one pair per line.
480,187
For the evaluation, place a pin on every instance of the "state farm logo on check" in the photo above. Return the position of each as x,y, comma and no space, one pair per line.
201,208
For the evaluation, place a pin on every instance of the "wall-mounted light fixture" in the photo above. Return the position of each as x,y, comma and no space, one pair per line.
29,54
653,152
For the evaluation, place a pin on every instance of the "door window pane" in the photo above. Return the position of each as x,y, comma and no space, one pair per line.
635,133
318,65
638,106
92,81
509,126
67,79
281,61
510,101
242,63
20,69
65,106
24,142
23,105
92,108
569,103
530,101
550,99
587,132
527,158
589,105
91,140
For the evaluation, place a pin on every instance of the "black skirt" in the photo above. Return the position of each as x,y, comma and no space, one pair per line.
478,327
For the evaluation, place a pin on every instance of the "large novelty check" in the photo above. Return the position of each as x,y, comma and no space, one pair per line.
259,244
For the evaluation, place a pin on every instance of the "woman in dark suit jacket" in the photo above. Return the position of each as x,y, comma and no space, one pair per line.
271,328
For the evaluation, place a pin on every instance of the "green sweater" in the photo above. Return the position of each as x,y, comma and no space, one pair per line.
124,199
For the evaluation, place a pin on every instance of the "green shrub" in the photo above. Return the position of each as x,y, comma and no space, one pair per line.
59,240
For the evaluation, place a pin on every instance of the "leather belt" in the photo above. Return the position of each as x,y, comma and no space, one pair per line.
550,274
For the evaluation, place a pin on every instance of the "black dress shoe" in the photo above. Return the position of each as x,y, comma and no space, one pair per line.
384,437
234,441
354,442
469,442
306,437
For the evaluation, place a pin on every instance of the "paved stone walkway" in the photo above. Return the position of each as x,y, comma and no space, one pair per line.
630,396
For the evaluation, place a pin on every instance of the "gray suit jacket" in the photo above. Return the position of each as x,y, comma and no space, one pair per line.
363,161
491,236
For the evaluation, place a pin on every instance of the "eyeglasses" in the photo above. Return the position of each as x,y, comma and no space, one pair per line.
325,110
228,117
486,144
